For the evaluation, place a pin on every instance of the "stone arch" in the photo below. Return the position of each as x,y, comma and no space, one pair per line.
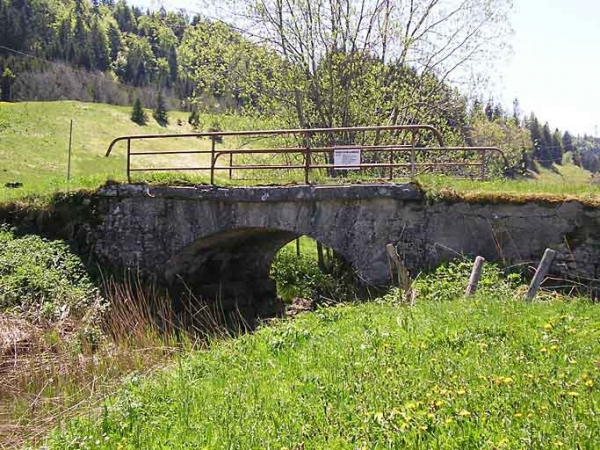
232,269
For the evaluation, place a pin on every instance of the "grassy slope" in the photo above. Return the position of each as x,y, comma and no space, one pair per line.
34,140
562,182
514,375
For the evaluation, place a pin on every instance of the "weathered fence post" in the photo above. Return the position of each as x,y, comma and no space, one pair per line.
475,276
403,278
69,157
540,273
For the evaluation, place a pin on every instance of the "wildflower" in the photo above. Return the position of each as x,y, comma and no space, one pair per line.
548,327
554,347
431,416
530,376
423,427
437,403
461,392
449,421
464,413
518,415
573,394
573,362
589,383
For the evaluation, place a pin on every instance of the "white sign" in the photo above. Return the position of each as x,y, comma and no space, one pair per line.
348,159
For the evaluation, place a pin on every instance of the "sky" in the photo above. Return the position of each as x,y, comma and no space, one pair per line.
554,69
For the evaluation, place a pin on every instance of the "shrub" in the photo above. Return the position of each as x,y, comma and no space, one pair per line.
300,277
450,280
215,127
138,115
42,279
194,119
160,111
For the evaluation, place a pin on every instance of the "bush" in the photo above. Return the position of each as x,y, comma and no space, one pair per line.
194,119
450,280
138,115
300,277
42,279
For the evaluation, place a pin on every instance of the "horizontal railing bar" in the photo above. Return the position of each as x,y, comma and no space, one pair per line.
317,166
366,148
310,131
177,152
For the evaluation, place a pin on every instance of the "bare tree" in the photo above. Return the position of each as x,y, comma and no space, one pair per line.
334,44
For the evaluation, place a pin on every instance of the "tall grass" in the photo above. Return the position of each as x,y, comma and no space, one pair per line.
55,372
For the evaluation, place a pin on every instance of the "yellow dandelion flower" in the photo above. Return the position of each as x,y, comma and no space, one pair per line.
449,421
573,394
589,383
438,403
559,444
548,327
518,415
554,347
431,416
464,413
508,380
423,427
461,392
530,376
543,350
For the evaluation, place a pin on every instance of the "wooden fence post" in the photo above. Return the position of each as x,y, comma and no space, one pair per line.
540,273
403,278
475,276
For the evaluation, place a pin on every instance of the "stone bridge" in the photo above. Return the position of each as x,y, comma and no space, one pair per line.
221,241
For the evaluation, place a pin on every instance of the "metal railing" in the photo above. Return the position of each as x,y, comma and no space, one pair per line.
307,152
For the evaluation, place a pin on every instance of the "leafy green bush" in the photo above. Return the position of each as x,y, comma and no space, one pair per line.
300,277
42,278
450,280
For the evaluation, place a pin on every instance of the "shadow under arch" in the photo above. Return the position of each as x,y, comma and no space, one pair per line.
230,269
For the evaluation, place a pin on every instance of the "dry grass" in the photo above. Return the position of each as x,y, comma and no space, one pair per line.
50,373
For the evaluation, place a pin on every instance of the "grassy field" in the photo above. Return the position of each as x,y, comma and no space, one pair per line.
34,139
487,372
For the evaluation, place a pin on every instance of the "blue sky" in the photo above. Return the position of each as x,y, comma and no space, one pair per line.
554,69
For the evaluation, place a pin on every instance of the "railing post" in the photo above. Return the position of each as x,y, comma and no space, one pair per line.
391,175
412,157
129,160
212,160
483,164
230,164
307,158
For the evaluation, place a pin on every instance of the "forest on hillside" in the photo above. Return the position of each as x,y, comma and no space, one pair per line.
111,52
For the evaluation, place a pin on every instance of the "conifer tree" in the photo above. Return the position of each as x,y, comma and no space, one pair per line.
138,115
160,112
6,81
